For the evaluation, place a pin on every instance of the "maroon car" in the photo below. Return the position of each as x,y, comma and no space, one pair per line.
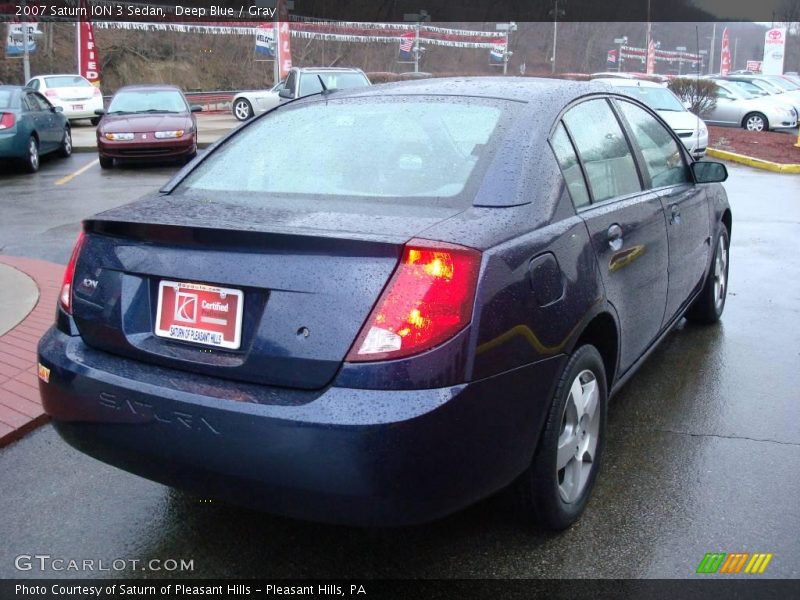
147,122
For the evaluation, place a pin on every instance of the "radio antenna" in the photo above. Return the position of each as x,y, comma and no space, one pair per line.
697,90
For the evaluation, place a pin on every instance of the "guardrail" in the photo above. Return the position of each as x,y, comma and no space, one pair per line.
212,102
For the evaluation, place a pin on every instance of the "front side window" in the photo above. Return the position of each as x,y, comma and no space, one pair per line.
375,148
663,158
570,167
603,149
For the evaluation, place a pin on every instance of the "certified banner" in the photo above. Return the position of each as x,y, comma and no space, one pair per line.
774,47
88,62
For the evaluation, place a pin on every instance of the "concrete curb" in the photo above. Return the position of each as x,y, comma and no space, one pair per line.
756,163
20,403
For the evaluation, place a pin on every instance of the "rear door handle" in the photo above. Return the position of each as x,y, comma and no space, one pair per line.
615,237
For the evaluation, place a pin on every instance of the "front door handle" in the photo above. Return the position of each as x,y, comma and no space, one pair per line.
674,214
615,237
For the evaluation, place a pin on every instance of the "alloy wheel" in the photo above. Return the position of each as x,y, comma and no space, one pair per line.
755,123
577,441
67,142
720,274
33,154
242,110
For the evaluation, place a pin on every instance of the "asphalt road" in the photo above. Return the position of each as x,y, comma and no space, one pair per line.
703,451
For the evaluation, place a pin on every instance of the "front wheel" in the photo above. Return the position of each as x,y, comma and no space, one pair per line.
756,122
106,162
708,306
556,487
242,109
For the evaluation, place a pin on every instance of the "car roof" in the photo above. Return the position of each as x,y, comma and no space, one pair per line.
59,75
519,89
619,82
335,69
149,87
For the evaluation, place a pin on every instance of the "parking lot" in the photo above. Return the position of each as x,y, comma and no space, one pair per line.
703,450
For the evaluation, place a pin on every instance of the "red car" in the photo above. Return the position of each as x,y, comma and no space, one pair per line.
147,122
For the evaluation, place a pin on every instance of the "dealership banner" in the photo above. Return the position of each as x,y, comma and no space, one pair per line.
18,34
774,48
611,59
265,40
498,52
725,54
754,66
651,58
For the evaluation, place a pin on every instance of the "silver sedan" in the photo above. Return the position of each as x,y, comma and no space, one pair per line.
736,108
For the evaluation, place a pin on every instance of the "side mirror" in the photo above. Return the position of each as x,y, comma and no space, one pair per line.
99,112
286,93
709,172
196,108
57,109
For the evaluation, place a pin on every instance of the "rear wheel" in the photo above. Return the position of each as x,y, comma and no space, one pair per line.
708,306
556,487
106,162
31,160
94,120
66,144
756,122
242,109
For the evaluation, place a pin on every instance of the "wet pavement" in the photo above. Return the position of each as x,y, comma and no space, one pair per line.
703,450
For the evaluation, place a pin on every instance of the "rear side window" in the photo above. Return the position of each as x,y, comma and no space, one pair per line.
33,84
603,149
663,158
570,167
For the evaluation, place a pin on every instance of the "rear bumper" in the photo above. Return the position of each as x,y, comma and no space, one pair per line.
10,145
152,149
351,456
86,111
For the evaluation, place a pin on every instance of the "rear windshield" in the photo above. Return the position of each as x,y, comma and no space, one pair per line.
310,82
66,81
402,147
7,99
655,98
170,101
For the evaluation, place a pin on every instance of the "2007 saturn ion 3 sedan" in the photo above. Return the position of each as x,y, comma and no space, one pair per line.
378,306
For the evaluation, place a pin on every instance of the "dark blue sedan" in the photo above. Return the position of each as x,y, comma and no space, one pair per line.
379,306
30,126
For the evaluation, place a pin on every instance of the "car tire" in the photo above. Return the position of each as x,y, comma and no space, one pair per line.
554,498
65,150
755,121
708,306
242,109
32,158
94,120
189,158
106,162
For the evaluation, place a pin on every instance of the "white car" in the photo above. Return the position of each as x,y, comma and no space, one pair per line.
301,81
689,127
76,96
254,102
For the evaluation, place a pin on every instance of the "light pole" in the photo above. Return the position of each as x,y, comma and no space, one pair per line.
418,19
711,50
556,12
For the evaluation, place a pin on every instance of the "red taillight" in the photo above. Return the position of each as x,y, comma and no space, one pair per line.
427,301
51,93
65,297
7,120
